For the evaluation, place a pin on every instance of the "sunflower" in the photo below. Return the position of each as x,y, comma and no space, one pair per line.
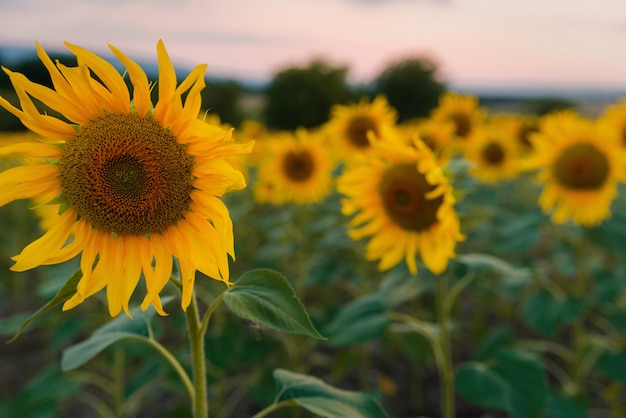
436,135
251,130
613,119
137,184
465,114
402,200
297,168
523,128
579,165
351,124
494,154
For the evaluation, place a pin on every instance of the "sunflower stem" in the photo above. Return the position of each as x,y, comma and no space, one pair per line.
445,372
196,342
429,332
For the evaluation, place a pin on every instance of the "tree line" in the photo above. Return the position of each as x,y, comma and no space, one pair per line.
294,97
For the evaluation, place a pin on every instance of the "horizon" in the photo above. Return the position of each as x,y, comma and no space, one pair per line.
12,55
472,42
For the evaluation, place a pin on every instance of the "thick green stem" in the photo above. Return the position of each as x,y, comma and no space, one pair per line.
196,341
579,289
446,370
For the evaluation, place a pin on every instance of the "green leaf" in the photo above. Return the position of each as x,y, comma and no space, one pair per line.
613,365
117,329
65,292
398,288
512,380
495,264
324,400
265,296
361,320
546,314
479,384
79,354
526,377
558,406
494,341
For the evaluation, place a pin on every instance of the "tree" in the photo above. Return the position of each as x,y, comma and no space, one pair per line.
544,105
411,87
222,97
304,96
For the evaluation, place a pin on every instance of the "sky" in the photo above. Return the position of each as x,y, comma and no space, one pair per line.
489,43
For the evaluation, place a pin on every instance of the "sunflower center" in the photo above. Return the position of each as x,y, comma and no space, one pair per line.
357,131
403,191
523,136
429,141
127,175
298,166
124,175
581,166
624,135
493,153
462,124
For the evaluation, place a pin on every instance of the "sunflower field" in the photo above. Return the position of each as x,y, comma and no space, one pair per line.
157,262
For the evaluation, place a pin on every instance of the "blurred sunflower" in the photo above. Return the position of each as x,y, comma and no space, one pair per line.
465,114
524,126
251,130
579,165
349,124
137,184
436,135
613,119
494,154
403,202
297,168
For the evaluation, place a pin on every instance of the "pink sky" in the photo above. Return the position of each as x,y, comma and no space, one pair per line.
554,43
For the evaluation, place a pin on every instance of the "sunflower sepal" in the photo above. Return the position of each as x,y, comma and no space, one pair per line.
266,297
62,202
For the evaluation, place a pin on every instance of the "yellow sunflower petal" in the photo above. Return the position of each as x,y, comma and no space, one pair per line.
163,264
141,88
44,125
107,73
30,149
37,252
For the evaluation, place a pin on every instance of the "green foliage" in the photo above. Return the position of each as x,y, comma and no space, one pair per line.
42,396
361,320
558,406
117,329
546,313
64,293
321,399
511,380
265,297
303,97
411,86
